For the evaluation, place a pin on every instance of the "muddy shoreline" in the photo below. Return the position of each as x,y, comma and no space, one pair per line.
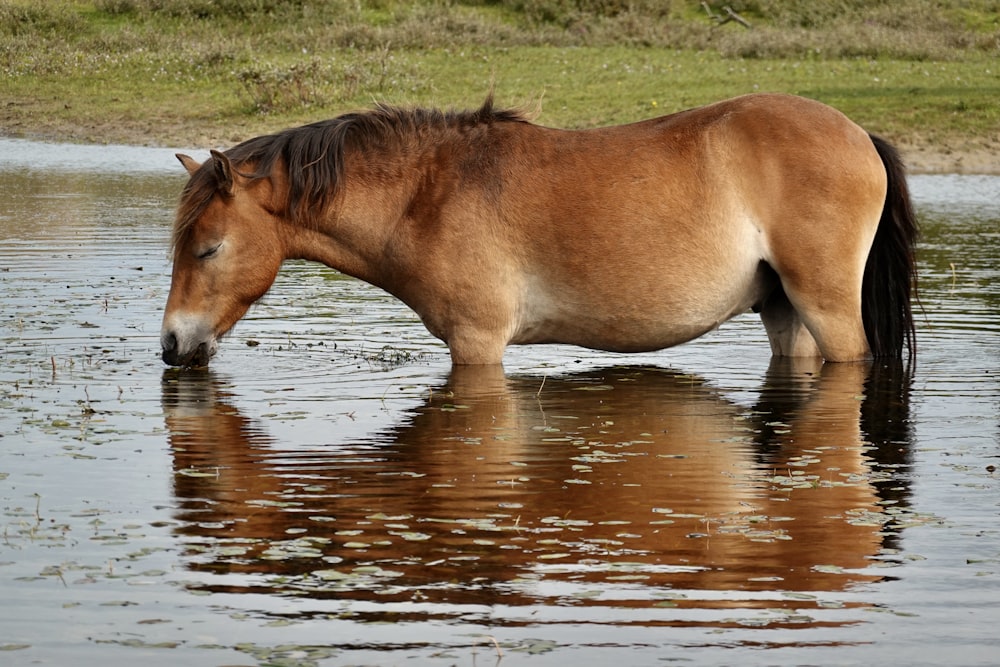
947,156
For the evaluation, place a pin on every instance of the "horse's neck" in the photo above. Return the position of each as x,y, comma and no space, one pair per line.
353,234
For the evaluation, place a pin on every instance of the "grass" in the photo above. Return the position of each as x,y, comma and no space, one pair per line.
213,72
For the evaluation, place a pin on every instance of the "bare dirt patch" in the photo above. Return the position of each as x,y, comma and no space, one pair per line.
948,156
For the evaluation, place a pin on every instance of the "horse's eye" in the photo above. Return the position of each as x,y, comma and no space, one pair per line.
209,252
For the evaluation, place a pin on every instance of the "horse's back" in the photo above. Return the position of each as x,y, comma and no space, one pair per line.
759,153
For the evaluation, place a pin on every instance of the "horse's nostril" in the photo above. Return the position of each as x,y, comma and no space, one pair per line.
169,345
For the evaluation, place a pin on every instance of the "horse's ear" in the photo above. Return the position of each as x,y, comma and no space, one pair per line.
189,163
223,172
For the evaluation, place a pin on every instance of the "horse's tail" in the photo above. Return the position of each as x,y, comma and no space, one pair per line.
890,279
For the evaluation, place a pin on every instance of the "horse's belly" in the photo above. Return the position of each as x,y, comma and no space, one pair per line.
622,327
653,302
616,335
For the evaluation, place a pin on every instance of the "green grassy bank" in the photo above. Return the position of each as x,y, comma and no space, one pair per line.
199,73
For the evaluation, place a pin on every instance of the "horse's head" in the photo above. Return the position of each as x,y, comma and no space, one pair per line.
227,252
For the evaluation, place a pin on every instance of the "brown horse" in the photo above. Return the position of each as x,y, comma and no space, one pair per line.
497,231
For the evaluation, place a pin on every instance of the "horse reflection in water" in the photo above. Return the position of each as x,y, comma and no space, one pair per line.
498,484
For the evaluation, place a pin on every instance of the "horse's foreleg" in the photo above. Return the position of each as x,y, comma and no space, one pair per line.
470,346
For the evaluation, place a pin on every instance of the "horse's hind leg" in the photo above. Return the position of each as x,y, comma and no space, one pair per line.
786,331
820,262
816,320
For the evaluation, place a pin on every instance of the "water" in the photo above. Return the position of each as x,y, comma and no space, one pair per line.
330,494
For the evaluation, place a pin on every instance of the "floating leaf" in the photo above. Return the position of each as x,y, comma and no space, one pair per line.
389,517
536,646
588,595
798,596
411,536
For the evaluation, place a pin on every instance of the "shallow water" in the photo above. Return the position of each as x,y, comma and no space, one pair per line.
329,493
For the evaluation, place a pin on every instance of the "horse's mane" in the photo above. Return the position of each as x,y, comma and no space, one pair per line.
313,155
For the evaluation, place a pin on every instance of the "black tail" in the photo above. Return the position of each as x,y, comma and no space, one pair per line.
890,280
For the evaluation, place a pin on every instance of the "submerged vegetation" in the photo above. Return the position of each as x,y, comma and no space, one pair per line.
197,71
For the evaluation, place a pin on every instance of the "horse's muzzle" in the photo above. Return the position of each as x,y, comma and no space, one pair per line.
172,356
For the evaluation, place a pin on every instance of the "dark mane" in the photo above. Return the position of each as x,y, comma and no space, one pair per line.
313,155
